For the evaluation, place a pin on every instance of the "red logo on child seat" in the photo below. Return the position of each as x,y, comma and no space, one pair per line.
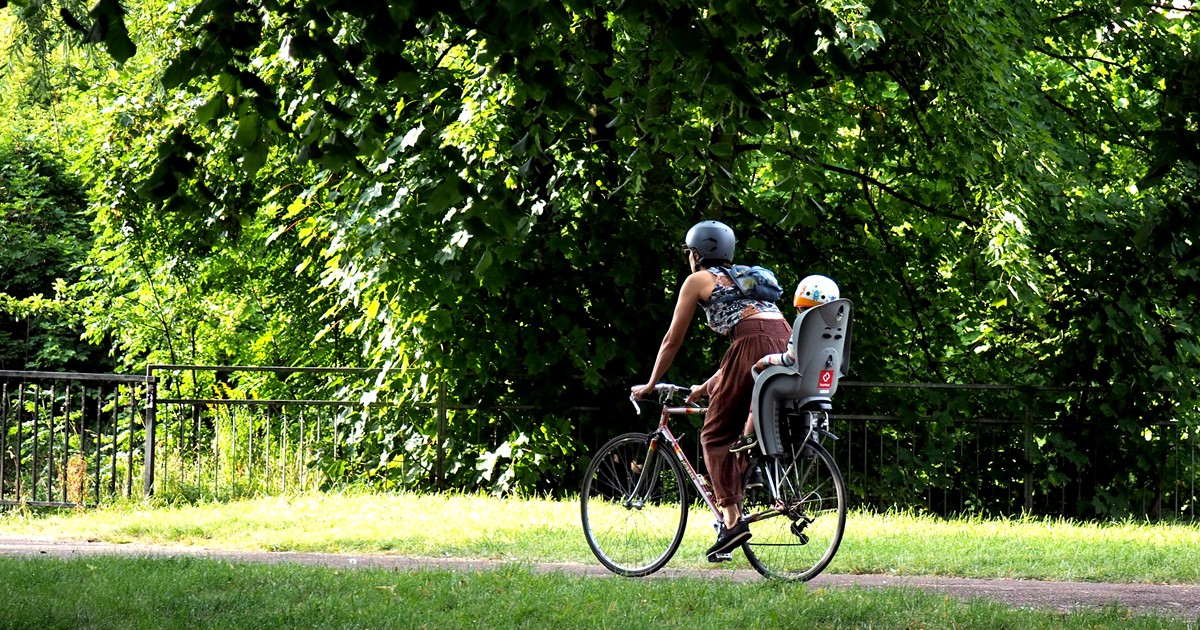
825,380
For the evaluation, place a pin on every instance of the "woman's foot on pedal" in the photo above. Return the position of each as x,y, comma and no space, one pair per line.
744,443
728,539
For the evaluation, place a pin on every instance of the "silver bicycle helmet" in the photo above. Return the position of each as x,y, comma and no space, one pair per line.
712,240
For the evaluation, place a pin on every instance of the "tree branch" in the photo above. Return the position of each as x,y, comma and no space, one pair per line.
1100,90
1070,58
867,179
906,286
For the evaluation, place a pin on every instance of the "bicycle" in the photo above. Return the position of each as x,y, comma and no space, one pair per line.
634,502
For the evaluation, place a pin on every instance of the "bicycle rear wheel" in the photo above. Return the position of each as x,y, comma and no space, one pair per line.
801,538
633,505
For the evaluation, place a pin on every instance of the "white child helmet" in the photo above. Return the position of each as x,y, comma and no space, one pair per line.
815,291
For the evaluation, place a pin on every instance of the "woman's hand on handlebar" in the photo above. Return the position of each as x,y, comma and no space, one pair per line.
641,392
699,392
665,391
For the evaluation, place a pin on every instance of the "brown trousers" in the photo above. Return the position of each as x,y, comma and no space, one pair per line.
729,402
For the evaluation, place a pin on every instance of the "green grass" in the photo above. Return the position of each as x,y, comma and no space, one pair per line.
537,530
131,593
186,592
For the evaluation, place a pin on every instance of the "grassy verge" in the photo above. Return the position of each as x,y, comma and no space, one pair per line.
133,593
535,530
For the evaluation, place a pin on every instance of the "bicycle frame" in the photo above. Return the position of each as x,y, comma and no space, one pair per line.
775,473
663,431
818,423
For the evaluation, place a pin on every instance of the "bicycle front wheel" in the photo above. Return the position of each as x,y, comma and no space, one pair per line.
633,505
799,540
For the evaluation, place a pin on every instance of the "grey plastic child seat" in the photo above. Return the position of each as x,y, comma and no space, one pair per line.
821,338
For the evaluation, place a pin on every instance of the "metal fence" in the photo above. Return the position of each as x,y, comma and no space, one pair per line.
223,430
80,439
954,448
238,430
71,439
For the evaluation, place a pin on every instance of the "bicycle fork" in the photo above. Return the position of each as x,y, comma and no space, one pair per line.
646,472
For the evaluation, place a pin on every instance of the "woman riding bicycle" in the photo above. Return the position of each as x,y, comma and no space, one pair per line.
755,328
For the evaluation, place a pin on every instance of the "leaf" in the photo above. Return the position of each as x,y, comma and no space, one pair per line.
447,194
108,26
485,261
254,158
248,130
229,84
212,108
522,145
181,70
67,17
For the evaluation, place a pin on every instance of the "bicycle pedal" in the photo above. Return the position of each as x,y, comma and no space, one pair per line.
721,557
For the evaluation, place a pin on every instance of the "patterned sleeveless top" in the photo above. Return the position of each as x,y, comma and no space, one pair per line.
724,315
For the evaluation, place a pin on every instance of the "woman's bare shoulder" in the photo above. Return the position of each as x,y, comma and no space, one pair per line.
700,283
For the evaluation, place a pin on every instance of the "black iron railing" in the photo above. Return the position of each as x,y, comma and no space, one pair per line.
81,439
71,439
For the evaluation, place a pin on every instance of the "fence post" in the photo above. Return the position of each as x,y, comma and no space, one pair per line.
441,428
3,434
151,422
1028,454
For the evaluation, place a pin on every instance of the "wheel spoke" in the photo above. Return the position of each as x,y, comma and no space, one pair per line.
633,529
800,536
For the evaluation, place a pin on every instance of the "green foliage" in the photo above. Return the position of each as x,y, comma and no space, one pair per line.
43,234
44,230
489,196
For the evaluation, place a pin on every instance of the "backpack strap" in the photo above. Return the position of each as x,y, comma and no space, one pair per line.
732,296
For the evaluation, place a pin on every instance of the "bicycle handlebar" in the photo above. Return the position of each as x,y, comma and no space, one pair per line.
665,392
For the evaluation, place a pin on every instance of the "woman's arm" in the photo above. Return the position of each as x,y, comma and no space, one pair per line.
693,290
704,390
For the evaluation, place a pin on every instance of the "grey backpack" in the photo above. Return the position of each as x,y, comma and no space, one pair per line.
754,283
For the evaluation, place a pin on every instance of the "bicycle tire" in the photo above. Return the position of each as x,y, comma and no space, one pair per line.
633,535
799,541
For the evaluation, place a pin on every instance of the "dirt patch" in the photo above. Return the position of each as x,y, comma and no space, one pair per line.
1157,599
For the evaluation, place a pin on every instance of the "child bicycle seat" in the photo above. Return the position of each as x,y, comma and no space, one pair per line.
821,339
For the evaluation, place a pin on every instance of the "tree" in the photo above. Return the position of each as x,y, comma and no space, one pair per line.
42,236
490,192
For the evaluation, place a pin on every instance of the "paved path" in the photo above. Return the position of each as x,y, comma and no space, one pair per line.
1158,599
